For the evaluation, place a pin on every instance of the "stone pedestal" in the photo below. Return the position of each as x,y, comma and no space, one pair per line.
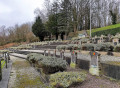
94,66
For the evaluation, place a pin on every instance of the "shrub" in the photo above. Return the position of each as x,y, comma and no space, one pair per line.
84,40
66,79
117,49
104,47
72,46
47,63
53,64
61,47
88,46
79,47
34,57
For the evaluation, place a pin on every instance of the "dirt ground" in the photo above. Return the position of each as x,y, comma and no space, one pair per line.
10,45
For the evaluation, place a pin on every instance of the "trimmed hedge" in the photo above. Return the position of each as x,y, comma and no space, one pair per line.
48,64
52,64
113,31
104,47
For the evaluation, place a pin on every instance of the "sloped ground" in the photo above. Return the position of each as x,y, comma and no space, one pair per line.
8,45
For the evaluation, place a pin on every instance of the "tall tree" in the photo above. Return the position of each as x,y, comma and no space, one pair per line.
51,25
65,18
38,28
55,14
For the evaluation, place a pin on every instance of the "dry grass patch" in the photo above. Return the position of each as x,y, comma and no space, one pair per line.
21,64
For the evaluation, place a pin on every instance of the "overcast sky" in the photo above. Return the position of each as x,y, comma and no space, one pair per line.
18,11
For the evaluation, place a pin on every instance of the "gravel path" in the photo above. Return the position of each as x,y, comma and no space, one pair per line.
23,75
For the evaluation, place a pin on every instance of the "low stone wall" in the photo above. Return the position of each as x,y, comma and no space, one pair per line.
110,70
83,64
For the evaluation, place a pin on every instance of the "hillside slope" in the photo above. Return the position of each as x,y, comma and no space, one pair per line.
106,29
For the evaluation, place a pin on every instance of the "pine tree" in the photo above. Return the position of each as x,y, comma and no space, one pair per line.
38,28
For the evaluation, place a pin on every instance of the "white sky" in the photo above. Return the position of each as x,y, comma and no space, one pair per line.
18,11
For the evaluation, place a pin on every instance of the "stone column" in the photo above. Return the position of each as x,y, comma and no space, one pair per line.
44,52
55,53
94,66
6,59
62,54
48,52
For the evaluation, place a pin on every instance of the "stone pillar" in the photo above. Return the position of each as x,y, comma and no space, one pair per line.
48,52
76,57
62,54
94,66
65,37
59,37
6,59
44,52
55,53
73,60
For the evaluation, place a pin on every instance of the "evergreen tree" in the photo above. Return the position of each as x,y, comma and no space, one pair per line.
52,25
114,17
65,18
38,28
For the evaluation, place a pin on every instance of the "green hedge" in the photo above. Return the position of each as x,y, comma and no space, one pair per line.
106,32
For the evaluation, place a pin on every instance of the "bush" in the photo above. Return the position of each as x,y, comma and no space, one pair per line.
88,46
72,46
104,47
66,79
61,47
117,49
53,64
47,63
34,57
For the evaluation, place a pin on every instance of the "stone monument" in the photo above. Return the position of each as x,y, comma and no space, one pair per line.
94,66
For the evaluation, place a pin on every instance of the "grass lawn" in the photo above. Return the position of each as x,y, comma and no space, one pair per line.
104,28
3,63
